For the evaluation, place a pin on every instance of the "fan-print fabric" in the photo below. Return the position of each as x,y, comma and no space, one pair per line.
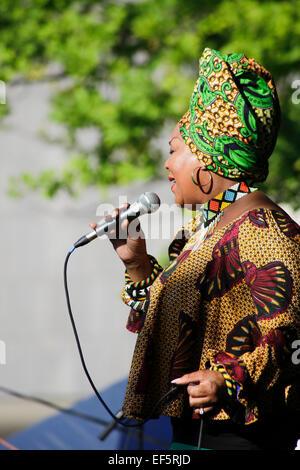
234,301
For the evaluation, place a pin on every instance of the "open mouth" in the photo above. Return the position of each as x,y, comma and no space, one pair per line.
173,181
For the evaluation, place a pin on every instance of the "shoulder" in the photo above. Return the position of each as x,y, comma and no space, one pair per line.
259,233
275,222
267,236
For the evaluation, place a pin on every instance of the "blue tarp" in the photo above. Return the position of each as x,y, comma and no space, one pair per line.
65,432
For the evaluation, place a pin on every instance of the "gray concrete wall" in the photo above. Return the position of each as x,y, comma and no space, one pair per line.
36,234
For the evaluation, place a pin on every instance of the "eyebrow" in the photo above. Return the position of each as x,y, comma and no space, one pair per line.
173,139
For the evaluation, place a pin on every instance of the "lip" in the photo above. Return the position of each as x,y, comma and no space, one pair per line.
171,178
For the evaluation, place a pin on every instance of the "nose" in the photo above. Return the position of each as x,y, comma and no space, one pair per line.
166,165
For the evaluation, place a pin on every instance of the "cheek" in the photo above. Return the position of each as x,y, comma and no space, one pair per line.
184,176
182,167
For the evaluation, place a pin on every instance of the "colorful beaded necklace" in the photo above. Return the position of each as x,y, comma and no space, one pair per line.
213,209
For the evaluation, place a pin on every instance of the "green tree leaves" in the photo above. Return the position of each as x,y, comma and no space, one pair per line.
132,67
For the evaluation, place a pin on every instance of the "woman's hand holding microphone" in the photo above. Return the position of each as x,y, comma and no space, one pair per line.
128,241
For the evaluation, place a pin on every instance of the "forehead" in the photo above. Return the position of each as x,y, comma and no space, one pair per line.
175,133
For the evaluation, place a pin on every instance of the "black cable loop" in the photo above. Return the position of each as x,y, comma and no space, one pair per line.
114,417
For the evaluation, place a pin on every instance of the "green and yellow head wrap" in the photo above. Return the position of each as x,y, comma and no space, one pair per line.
234,116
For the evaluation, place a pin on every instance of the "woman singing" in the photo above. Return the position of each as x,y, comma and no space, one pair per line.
221,320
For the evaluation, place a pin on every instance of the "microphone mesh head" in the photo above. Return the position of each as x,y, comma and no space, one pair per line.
150,202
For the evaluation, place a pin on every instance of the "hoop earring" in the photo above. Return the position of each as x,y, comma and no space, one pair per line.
198,181
192,175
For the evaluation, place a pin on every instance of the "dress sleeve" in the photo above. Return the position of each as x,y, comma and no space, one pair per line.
137,294
259,349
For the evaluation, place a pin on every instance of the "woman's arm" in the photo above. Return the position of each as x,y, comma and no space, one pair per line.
139,269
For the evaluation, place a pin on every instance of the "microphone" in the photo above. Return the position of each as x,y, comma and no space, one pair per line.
147,203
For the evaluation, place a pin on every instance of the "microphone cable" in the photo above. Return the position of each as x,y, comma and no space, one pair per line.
117,419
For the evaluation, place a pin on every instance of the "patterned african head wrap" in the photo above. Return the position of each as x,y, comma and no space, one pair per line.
234,116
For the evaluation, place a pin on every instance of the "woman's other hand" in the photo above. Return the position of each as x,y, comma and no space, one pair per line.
206,389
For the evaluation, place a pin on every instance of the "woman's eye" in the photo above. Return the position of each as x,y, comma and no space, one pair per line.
171,151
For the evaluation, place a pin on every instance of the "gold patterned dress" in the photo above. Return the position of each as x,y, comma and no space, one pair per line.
232,300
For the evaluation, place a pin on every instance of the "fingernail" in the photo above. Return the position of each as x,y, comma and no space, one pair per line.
175,381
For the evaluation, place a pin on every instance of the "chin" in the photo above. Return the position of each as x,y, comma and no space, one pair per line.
179,202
